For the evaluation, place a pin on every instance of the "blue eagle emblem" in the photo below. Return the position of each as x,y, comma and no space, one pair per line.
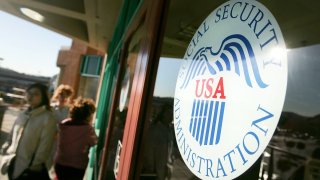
235,55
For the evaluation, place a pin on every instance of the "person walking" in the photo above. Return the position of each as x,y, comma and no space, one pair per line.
30,142
76,136
61,105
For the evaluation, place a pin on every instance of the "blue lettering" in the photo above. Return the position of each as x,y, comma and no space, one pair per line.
247,12
241,155
199,35
194,43
181,137
230,160
200,163
195,40
231,13
189,154
274,37
259,33
205,27
255,122
218,15
185,148
209,168
192,163
188,50
178,128
177,101
225,12
255,20
177,112
244,145
245,7
183,144
220,168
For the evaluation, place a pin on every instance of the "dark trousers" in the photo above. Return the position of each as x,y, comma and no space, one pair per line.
68,173
28,174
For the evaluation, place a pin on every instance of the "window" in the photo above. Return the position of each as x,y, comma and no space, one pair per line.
293,152
121,105
91,65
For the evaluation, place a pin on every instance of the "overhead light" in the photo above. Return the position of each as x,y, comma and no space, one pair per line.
32,14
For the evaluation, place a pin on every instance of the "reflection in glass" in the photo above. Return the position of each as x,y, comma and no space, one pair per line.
158,156
294,151
161,157
120,114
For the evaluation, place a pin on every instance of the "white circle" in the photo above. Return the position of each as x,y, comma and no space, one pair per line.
230,90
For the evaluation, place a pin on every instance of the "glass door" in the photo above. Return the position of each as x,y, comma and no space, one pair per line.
129,69
128,107
294,150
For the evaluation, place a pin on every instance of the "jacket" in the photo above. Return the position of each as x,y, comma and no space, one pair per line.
74,143
34,143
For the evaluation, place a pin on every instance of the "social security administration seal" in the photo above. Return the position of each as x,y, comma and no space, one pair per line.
230,90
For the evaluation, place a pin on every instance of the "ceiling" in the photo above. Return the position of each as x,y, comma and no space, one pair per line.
93,21
90,21
299,22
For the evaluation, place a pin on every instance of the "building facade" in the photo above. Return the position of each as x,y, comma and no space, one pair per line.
73,63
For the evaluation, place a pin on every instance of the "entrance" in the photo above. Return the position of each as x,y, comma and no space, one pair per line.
128,108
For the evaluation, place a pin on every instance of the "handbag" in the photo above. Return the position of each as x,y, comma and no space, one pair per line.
28,174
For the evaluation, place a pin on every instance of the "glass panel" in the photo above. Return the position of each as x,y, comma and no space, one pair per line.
118,123
294,150
93,64
161,157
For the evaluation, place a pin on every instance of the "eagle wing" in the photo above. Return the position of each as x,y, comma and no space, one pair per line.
235,55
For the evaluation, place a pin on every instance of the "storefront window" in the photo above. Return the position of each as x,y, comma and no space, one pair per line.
294,150
121,105
161,158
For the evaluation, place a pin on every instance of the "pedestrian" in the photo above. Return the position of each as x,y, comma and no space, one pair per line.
30,142
62,97
62,100
76,136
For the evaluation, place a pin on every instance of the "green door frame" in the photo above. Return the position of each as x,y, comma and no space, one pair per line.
128,11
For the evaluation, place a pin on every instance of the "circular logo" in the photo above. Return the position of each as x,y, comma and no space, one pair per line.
230,90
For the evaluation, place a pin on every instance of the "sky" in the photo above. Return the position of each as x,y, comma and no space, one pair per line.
303,89
28,48
166,77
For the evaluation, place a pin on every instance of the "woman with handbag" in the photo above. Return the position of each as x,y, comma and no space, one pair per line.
30,142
